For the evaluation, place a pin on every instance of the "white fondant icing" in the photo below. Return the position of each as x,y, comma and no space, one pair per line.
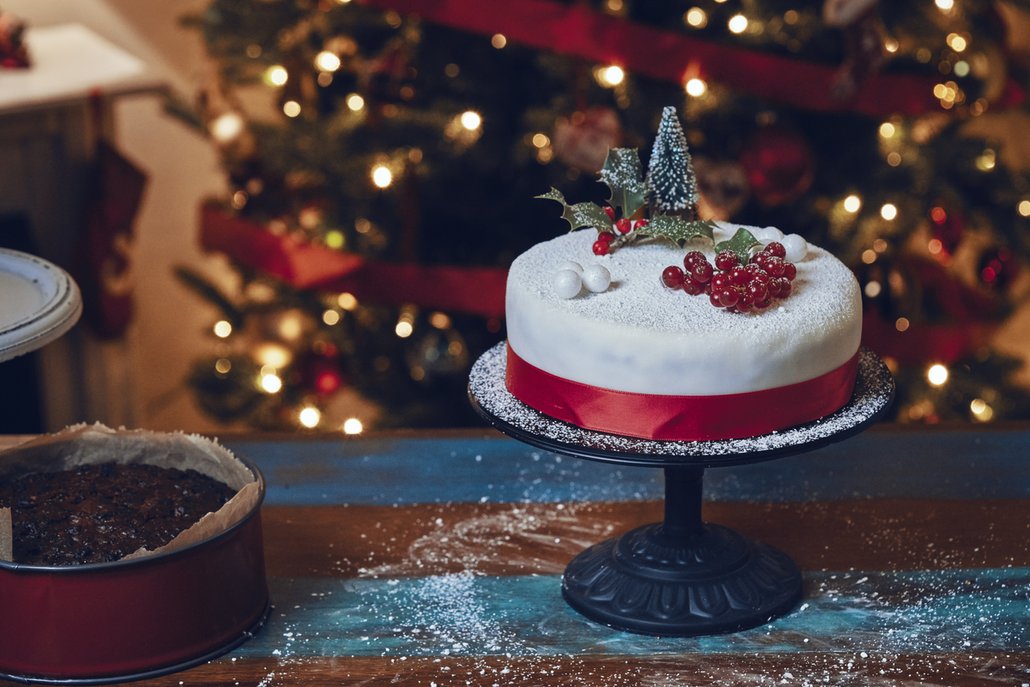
641,337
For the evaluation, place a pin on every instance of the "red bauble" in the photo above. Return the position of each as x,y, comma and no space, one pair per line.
948,227
322,374
997,268
778,164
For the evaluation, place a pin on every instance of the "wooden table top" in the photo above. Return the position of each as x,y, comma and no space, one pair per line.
436,559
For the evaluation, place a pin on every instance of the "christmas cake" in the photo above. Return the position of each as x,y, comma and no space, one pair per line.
102,512
652,323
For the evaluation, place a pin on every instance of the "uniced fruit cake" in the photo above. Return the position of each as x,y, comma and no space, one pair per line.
651,323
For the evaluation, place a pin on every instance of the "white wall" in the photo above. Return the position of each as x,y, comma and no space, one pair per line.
170,330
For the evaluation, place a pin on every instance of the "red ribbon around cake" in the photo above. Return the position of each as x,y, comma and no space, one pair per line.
680,418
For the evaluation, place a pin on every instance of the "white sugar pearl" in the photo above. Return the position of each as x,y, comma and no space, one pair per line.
597,278
796,247
567,283
768,234
570,265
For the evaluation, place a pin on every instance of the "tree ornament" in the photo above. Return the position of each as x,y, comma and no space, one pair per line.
948,227
583,139
670,173
321,374
997,268
779,165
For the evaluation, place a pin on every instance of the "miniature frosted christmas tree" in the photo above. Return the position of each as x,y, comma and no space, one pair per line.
670,173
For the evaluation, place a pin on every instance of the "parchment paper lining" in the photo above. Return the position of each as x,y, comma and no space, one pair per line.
87,444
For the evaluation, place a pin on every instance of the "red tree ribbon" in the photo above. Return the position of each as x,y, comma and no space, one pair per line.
680,418
305,265
667,55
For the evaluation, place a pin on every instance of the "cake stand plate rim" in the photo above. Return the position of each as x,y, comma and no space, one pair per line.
874,393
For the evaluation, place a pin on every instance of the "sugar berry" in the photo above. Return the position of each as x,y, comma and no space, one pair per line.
728,297
780,287
692,287
774,266
624,226
606,236
694,257
758,291
601,247
672,277
641,223
790,271
721,281
776,248
701,271
739,276
726,260
713,298
610,211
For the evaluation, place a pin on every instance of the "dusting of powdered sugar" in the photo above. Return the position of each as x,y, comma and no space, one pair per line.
874,390
824,291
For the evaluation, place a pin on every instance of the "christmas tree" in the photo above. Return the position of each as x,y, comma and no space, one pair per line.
382,157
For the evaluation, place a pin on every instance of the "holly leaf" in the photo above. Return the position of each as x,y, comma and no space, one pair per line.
580,215
623,175
740,243
677,229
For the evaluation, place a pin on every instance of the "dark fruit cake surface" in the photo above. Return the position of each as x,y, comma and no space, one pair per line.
103,512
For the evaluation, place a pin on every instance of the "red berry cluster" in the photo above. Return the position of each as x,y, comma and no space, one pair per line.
733,286
603,244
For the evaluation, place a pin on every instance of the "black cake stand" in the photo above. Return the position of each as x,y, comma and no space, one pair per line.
682,576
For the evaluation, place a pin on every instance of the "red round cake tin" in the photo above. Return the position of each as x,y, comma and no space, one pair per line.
135,618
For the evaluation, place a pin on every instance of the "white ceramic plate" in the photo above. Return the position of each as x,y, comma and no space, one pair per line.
38,303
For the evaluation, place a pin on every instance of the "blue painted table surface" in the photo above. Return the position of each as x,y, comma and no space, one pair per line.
435,559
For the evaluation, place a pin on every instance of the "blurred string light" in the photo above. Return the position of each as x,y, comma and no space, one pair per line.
945,5
327,61
270,381
499,41
382,177
276,75
852,203
937,374
291,108
695,17
352,425
226,127
405,323
695,87
889,211
1024,208
309,416
354,102
273,356
981,410
737,24
471,120
956,42
222,329
610,76
902,324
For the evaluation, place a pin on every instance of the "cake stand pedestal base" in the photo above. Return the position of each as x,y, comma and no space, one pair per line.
682,577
